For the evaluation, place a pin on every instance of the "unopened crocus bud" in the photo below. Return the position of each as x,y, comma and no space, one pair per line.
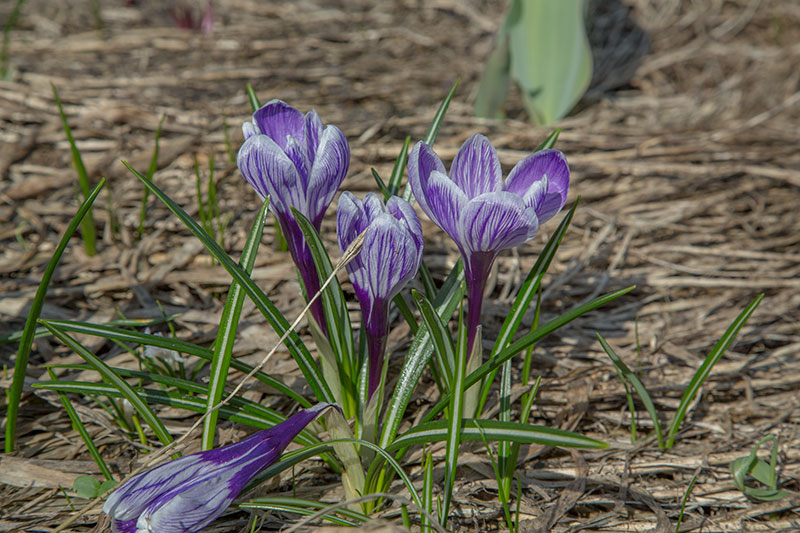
389,258
187,494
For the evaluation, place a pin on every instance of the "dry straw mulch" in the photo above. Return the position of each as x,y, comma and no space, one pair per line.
685,154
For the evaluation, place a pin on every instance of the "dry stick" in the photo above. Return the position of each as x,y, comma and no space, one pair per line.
348,256
434,524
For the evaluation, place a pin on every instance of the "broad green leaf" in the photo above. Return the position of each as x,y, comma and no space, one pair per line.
21,364
551,61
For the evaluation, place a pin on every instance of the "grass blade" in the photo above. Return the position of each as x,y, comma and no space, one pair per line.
442,341
139,405
526,293
399,167
711,359
637,385
87,224
433,131
296,348
495,430
124,335
525,341
226,334
151,170
78,424
21,364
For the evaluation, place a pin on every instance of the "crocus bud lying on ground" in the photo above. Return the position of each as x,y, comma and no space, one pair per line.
481,213
389,258
187,494
293,160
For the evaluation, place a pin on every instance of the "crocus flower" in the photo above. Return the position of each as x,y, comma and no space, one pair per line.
389,258
291,158
185,495
480,212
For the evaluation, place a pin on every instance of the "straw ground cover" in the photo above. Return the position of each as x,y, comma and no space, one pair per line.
684,152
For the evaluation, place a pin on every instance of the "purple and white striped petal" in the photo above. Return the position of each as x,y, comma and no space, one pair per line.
402,210
447,203
278,120
186,494
271,172
312,132
328,170
422,161
476,167
549,164
496,221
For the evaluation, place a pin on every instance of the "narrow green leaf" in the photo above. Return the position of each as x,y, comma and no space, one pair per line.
494,430
304,507
77,423
550,142
399,167
456,415
525,341
139,405
526,293
251,95
433,131
702,373
333,301
296,348
635,382
87,224
686,499
124,335
381,185
438,118
443,345
151,170
21,364
417,356
226,334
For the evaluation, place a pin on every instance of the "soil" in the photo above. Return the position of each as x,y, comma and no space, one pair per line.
684,153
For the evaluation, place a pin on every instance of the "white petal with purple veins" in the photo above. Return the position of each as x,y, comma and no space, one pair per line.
327,172
421,162
495,221
476,168
446,202
267,168
544,163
